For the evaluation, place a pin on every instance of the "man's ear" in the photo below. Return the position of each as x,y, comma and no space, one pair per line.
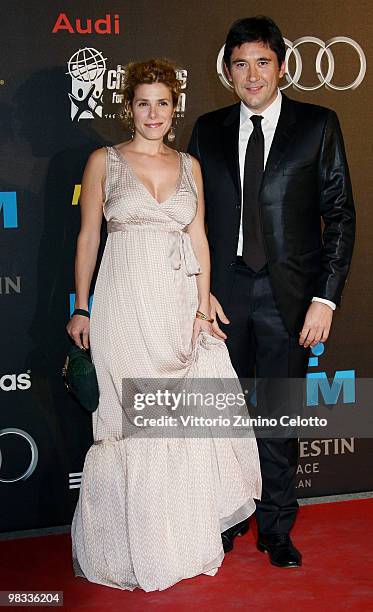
227,72
282,69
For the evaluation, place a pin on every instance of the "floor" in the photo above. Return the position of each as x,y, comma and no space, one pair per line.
337,573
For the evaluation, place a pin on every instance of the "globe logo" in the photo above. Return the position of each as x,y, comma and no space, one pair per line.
86,65
86,68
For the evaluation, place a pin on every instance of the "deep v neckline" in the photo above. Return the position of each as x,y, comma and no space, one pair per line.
141,184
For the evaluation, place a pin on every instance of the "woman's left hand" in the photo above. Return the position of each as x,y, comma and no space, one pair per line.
200,326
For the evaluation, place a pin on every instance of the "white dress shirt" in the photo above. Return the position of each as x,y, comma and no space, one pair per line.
269,123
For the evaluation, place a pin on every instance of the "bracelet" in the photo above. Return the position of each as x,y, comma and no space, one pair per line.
201,315
81,311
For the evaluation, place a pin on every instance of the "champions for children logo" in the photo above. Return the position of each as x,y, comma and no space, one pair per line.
92,85
87,68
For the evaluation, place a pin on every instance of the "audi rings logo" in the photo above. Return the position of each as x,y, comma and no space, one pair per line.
325,77
24,444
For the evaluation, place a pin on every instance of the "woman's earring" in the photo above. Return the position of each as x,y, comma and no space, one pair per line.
171,134
127,116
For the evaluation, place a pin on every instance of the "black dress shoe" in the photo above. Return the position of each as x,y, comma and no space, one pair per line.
280,548
229,535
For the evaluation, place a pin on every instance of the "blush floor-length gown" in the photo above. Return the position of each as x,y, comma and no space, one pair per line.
151,509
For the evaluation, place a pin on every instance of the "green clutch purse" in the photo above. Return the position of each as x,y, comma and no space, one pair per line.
80,378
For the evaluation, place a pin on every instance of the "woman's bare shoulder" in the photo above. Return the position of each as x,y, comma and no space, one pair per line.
98,156
196,166
96,161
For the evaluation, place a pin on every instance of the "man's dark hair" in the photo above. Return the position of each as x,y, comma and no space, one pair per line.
255,29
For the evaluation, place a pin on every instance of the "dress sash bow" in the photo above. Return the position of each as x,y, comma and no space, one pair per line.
180,250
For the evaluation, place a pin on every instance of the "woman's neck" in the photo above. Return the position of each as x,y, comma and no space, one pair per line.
147,147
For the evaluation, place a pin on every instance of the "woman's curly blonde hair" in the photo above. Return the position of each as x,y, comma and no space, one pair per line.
151,71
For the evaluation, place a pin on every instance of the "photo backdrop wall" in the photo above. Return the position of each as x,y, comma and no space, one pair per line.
60,81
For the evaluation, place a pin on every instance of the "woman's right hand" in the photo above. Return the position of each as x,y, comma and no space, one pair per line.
78,330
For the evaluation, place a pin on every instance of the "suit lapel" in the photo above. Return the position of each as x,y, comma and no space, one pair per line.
282,136
231,128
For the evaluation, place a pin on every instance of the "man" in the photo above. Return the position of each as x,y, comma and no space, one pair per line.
272,169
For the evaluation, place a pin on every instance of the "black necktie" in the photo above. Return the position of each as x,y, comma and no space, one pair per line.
253,247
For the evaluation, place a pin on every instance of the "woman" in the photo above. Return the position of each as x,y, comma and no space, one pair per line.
151,509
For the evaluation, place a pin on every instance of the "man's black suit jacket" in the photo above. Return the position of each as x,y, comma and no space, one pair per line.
306,179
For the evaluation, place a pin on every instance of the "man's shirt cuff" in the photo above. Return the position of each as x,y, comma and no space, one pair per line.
323,301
